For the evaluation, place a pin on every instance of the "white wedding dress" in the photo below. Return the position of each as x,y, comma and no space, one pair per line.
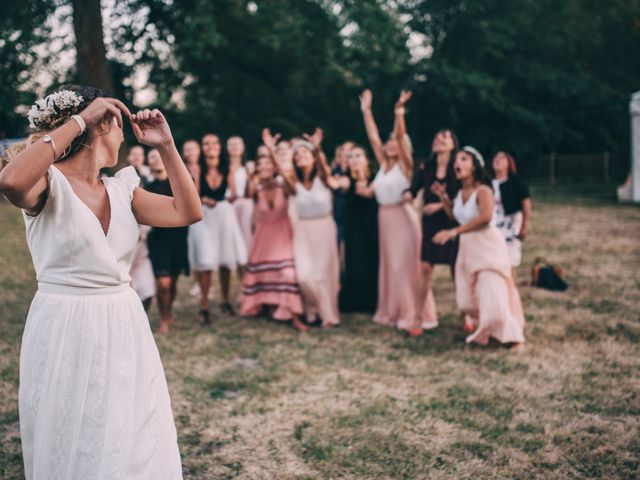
94,402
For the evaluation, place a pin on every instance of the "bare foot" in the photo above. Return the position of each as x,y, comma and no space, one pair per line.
469,325
517,348
327,326
299,325
164,326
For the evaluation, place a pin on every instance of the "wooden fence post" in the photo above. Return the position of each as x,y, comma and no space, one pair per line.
552,168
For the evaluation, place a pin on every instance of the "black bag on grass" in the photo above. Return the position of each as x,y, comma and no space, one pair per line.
546,275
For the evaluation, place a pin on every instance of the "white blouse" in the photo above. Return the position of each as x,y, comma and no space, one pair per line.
315,202
390,186
464,212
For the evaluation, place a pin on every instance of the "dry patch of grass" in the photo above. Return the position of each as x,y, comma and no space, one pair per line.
254,399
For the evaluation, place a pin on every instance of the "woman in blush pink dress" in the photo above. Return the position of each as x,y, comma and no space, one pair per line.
485,290
314,232
398,224
270,276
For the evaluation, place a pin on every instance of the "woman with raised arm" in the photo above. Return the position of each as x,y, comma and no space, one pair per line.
398,224
216,243
93,397
485,290
314,232
270,278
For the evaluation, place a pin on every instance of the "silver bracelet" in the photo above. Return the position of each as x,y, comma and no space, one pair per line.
48,140
81,123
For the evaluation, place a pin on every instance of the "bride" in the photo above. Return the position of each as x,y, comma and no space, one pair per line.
93,396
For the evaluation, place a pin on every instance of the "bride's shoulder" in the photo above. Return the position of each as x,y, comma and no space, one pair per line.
126,179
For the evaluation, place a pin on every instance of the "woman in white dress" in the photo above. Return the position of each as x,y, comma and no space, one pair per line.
94,402
485,290
215,243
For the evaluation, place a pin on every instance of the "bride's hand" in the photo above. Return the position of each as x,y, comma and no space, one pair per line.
151,128
104,108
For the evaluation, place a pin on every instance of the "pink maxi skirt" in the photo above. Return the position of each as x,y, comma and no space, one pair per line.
270,276
485,289
318,267
399,274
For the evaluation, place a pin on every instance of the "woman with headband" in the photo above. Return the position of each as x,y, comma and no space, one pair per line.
485,290
314,238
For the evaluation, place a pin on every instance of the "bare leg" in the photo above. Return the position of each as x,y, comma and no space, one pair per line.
297,323
427,307
204,280
163,287
173,290
225,283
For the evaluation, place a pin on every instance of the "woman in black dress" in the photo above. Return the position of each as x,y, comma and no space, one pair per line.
359,291
167,248
437,170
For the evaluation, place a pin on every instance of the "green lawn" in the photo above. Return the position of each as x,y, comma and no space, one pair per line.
253,399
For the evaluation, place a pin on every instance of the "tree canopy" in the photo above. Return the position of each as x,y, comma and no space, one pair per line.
530,76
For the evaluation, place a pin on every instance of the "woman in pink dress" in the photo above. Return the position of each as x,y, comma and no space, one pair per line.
398,223
314,232
270,276
485,290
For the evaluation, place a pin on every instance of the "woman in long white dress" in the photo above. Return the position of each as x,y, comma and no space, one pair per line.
93,400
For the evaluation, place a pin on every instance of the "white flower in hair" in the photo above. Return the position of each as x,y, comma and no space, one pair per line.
47,112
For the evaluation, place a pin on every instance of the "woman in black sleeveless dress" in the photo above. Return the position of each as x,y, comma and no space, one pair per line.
438,169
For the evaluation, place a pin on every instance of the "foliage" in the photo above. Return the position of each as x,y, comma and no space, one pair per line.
530,76
21,28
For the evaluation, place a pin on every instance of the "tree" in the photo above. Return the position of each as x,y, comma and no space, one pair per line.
91,56
22,27
531,76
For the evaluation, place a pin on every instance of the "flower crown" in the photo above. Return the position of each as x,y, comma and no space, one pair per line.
50,111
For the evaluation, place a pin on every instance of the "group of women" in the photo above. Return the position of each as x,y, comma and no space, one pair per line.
93,396
285,221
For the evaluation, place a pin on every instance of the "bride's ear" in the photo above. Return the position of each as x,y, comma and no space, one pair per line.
105,125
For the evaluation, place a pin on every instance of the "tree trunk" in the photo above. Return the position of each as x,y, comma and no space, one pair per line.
91,55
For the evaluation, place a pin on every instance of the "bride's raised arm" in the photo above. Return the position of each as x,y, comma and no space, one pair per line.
184,208
23,179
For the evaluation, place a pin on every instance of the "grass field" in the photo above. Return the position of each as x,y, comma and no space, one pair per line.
256,400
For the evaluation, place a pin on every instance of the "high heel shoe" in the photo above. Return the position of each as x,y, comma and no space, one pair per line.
204,317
